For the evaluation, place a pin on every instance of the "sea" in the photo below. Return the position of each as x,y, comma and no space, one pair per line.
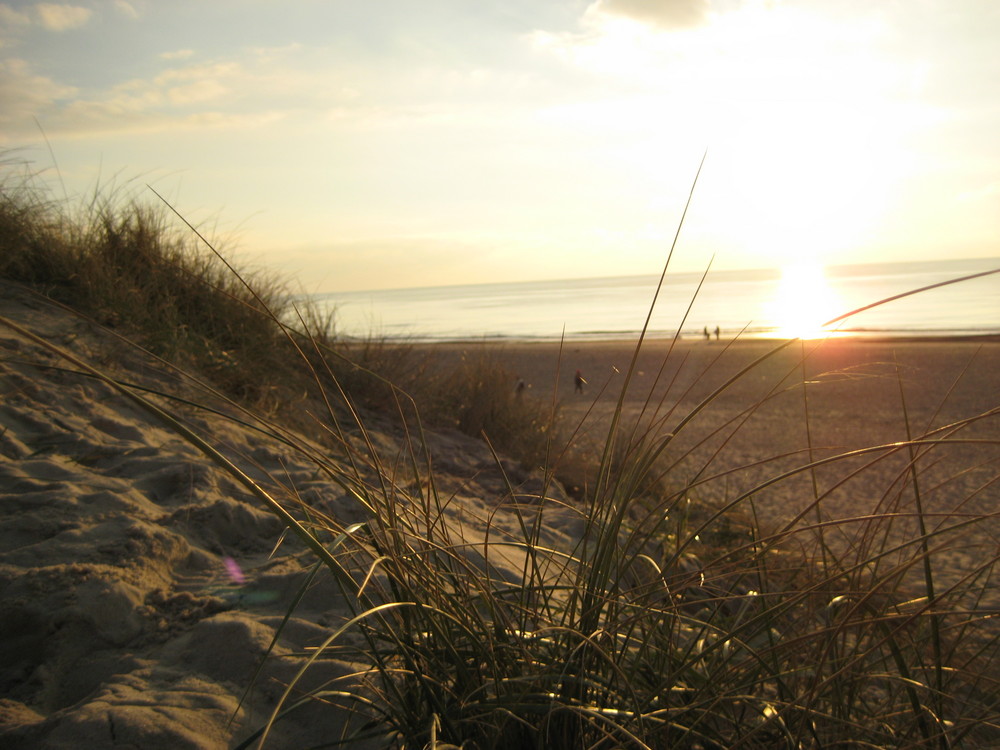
761,303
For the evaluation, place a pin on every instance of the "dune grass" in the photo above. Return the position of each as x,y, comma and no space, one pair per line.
823,632
118,261
827,632
130,265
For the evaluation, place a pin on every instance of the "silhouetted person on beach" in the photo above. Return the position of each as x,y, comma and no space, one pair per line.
578,382
708,336
717,332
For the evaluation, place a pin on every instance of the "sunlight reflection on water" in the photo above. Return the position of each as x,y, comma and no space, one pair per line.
761,303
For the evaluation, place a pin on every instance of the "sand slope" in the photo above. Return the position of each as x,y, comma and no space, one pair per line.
123,626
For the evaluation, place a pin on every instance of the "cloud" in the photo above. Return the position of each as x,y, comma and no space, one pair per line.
666,14
253,89
268,55
180,54
200,83
10,18
213,95
196,92
171,99
26,95
62,17
126,9
164,101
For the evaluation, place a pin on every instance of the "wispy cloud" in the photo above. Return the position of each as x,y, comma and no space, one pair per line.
213,95
126,9
180,54
183,87
14,22
170,99
26,94
262,84
667,14
276,54
62,17
10,18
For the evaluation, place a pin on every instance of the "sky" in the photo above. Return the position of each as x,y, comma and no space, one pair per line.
397,143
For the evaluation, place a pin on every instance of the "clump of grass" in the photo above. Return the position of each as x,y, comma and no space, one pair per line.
121,263
128,265
823,632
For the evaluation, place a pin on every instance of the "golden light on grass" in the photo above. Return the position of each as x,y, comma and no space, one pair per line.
803,302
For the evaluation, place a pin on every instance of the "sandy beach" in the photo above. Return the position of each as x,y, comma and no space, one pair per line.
858,393
126,623
856,387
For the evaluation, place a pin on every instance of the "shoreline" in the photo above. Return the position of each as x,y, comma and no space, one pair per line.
631,337
925,301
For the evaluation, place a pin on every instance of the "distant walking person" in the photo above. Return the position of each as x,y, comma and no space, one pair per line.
578,382
708,336
717,333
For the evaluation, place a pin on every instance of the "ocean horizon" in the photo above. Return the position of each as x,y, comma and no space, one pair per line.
748,303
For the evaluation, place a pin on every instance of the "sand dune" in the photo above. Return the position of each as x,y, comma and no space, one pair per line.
138,587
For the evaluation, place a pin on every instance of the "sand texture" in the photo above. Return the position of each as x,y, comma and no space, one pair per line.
123,626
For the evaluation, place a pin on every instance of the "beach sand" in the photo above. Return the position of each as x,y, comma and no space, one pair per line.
857,394
855,389
140,585
137,582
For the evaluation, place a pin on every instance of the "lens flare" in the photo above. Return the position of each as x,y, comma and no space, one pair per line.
234,570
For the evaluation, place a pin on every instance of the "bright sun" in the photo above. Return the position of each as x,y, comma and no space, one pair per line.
803,302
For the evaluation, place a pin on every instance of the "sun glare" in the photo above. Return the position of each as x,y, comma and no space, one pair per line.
803,302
